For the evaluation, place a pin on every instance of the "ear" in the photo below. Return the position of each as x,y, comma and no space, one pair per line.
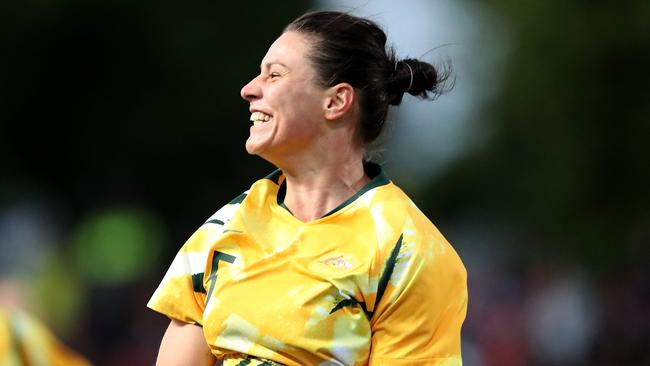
339,101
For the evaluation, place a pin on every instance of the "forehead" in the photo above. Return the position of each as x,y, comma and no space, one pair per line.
289,49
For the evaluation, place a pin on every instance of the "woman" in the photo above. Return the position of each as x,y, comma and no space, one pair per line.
325,261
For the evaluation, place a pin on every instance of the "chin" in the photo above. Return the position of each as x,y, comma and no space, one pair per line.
251,149
254,147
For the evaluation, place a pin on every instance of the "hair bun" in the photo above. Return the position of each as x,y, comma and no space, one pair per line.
420,79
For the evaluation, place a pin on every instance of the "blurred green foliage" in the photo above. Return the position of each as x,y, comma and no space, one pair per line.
57,295
565,166
117,246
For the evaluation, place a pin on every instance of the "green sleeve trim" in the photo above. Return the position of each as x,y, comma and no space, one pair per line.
216,258
197,282
351,302
215,221
388,271
238,199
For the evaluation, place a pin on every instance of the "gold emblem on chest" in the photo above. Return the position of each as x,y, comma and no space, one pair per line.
336,262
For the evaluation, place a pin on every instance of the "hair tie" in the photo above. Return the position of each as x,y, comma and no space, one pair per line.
411,81
410,73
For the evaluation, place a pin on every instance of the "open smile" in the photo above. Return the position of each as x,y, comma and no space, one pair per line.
259,118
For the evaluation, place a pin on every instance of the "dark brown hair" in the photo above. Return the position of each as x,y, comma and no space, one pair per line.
353,50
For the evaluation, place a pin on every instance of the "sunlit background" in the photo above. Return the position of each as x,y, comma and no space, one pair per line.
122,130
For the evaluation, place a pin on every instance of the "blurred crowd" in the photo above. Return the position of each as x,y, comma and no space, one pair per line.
89,281
554,314
121,129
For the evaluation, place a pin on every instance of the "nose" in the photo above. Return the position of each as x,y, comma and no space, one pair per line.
251,91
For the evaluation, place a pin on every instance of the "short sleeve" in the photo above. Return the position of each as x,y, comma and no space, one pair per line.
181,293
419,316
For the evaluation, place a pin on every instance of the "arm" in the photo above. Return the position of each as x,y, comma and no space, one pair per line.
184,344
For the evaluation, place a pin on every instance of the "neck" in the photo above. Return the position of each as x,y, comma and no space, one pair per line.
316,187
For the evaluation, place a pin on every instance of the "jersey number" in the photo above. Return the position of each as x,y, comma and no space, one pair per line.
218,256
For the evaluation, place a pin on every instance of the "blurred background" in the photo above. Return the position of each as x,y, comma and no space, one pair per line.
122,130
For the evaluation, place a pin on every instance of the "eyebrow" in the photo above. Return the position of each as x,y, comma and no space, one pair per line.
269,64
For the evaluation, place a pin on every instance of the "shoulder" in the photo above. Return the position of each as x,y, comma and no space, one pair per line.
390,206
213,227
259,190
420,241
419,270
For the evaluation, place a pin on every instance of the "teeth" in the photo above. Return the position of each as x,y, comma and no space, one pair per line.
259,117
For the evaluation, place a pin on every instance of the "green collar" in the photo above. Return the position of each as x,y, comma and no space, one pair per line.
372,170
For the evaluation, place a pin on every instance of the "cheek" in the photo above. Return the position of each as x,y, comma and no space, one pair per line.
296,93
298,108
306,102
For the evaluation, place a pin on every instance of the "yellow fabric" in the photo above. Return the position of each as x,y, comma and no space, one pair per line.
299,293
25,341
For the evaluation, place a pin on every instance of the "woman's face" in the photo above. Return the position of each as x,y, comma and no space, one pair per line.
286,103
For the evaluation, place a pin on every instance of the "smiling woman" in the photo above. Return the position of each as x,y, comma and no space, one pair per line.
286,99
325,261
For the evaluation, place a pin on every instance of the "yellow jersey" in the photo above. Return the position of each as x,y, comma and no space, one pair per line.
373,282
